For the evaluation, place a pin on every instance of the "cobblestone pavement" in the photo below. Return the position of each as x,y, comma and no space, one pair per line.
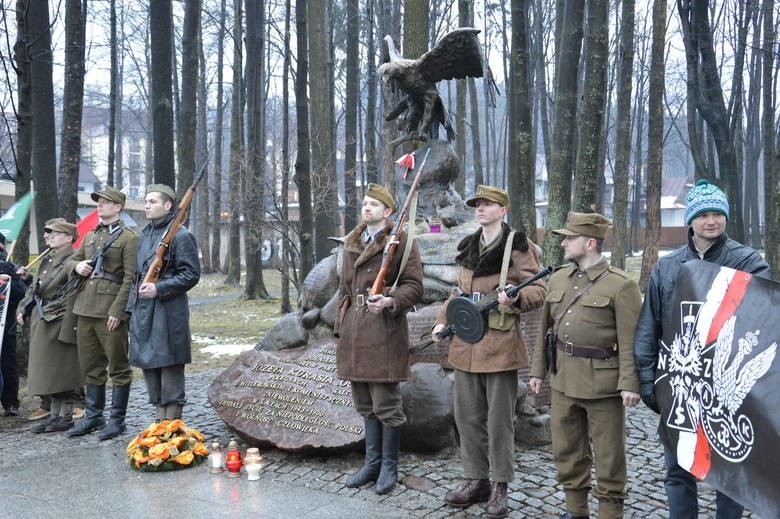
427,478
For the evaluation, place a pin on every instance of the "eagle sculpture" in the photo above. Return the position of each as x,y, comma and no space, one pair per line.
457,55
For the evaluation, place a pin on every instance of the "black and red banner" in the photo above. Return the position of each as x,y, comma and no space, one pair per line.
718,383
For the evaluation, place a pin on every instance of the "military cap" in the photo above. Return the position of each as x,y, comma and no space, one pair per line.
161,188
381,193
60,225
493,194
52,221
110,194
592,225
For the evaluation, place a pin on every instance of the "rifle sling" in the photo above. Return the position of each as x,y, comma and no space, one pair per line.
409,238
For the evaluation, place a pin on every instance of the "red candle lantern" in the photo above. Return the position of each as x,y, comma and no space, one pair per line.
233,459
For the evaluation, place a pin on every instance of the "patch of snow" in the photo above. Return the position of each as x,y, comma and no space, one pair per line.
226,349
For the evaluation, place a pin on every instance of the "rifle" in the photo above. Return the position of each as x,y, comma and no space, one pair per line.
55,307
392,242
154,272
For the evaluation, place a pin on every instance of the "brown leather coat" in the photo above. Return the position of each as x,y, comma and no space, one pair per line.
498,350
375,347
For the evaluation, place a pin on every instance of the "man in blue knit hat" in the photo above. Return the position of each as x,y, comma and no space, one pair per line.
706,214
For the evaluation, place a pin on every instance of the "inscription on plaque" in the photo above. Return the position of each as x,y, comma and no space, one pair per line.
291,399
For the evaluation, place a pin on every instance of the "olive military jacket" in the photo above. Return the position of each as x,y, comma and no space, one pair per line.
500,349
102,297
604,316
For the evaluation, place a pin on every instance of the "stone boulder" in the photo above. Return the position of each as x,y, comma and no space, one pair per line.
291,400
428,405
288,332
320,284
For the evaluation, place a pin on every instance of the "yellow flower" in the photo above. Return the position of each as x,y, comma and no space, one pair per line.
185,458
150,441
200,449
173,425
160,451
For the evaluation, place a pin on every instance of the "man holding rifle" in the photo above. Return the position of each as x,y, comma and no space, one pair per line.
373,349
486,380
101,329
586,343
160,319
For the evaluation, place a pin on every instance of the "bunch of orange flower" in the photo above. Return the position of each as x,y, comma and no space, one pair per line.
166,445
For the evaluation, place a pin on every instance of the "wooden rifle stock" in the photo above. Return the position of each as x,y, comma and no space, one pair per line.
392,242
154,272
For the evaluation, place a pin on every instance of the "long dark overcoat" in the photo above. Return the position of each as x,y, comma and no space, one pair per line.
375,347
160,327
53,363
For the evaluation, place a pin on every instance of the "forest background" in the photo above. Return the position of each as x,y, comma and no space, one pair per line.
600,101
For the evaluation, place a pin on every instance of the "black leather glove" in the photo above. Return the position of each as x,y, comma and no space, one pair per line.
647,392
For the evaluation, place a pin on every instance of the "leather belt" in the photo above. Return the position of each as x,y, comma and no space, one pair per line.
108,276
591,352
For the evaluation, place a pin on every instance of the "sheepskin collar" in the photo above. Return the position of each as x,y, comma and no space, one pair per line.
354,243
490,262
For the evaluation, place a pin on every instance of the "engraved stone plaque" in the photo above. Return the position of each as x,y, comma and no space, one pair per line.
290,399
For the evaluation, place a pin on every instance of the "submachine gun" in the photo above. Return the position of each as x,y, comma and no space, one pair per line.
468,319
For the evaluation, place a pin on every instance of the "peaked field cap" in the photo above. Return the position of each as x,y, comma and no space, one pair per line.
161,188
592,225
705,197
493,194
110,194
60,225
382,194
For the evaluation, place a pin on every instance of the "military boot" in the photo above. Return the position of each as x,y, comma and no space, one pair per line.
474,491
370,469
116,420
173,411
610,509
497,505
95,397
388,471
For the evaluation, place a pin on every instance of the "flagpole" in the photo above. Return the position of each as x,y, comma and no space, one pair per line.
39,258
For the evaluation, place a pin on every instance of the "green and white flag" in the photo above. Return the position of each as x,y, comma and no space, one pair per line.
12,221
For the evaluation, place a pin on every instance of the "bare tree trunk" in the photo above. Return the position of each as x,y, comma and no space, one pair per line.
233,260
216,185
372,173
201,153
323,174
461,86
161,28
112,95
44,150
540,92
351,114
520,155
24,138
709,101
254,203
303,159
655,135
771,139
623,137
564,127
72,103
286,267
187,126
591,126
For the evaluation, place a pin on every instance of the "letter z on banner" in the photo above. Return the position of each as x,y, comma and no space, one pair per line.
717,383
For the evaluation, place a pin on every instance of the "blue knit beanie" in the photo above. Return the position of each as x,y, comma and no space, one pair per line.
705,197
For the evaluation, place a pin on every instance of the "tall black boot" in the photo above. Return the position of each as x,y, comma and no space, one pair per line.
116,420
95,398
370,469
388,474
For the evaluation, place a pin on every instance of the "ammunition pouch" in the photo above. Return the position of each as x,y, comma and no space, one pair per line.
551,350
500,320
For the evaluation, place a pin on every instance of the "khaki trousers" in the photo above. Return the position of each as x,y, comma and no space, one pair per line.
379,401
100,349
576,424
484,414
